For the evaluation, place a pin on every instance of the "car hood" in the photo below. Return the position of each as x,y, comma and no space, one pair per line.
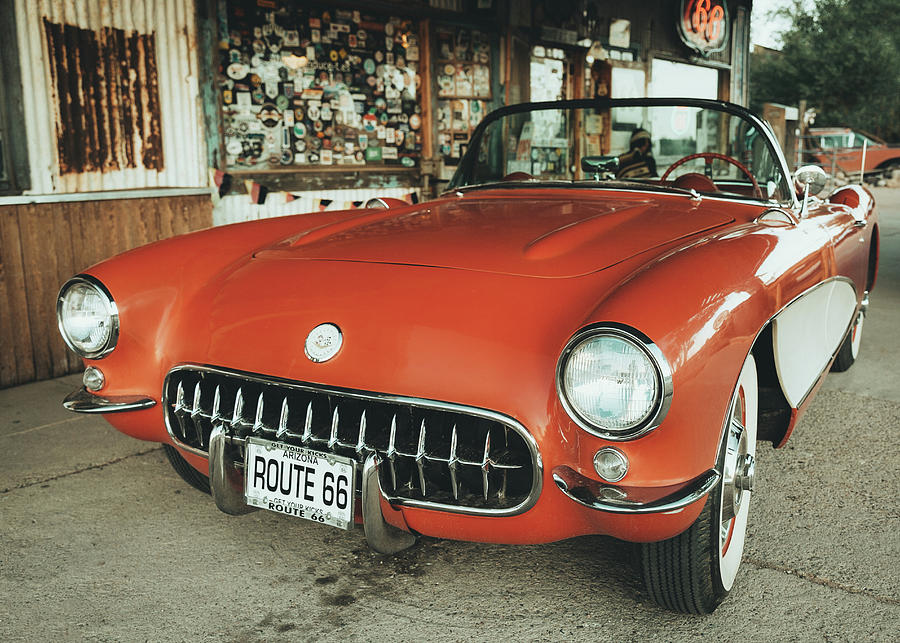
509,233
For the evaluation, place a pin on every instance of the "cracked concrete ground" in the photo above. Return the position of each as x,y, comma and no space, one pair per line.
100,540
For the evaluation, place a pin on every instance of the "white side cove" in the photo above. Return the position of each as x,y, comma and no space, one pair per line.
236,208
808,333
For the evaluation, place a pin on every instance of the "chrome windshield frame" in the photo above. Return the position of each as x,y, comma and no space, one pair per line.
468,162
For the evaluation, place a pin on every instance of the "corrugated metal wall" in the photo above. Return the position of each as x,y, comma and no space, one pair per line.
237,207
119,78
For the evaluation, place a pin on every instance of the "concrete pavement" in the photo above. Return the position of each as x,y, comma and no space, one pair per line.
100,540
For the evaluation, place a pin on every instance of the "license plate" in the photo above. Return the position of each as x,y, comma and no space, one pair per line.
299,482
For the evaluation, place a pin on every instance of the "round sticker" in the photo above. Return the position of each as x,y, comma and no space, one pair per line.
269,115
299,131
333,55
370,81
300,145
318,127
316,143
389,29
287,157
313,112
358,155
368,66
407,161
380,104
449,69
281,102
415,121
234,147
237,70
379,56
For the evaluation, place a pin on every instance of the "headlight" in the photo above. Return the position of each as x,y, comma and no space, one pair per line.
614,382
87,317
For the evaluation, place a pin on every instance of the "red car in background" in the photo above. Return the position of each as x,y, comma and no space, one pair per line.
542,352
841,149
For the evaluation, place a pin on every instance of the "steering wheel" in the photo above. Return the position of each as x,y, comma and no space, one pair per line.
709,157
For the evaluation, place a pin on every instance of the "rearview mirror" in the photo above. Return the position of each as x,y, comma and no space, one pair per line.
810,180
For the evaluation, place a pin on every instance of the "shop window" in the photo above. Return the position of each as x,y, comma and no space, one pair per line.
306,87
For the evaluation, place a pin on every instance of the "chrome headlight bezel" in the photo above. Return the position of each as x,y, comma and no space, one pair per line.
662,372
111,310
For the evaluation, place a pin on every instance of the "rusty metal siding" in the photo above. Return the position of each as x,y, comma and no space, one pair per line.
111,94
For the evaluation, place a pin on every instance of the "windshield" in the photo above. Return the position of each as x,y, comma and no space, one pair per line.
706,149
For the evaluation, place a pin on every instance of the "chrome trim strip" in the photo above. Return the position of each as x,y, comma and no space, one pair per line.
663,375
674,502
82,401
537,462
114,316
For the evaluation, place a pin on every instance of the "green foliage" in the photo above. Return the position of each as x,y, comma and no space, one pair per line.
843,57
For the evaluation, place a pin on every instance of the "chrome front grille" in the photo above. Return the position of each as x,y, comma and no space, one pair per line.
436,455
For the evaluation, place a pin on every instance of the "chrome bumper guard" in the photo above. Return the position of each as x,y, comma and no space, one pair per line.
82,401
226,482
602,497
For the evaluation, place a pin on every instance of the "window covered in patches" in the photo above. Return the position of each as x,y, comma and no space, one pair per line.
107,98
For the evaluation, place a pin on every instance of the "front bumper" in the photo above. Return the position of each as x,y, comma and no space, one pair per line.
83,401
580,507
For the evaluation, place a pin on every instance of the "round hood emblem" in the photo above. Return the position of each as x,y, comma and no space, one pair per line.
323,342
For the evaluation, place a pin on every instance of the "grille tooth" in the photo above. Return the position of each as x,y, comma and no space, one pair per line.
283,420
307,424
335,419
392,452
217,402
437,455
236,419
420,458
258,424
196,415
452,463
361,446
180,408
486,464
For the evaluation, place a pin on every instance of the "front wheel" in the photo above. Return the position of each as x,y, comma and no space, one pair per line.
188,473
694,571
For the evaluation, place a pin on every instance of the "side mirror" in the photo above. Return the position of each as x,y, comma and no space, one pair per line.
810,180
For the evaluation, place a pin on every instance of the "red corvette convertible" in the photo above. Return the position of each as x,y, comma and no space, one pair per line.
549,349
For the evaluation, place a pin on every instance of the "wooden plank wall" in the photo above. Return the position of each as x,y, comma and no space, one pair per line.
43,244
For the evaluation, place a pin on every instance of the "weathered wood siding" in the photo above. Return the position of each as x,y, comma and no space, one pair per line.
43,244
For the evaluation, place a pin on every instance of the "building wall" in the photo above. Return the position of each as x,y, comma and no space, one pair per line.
110,94
42,244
